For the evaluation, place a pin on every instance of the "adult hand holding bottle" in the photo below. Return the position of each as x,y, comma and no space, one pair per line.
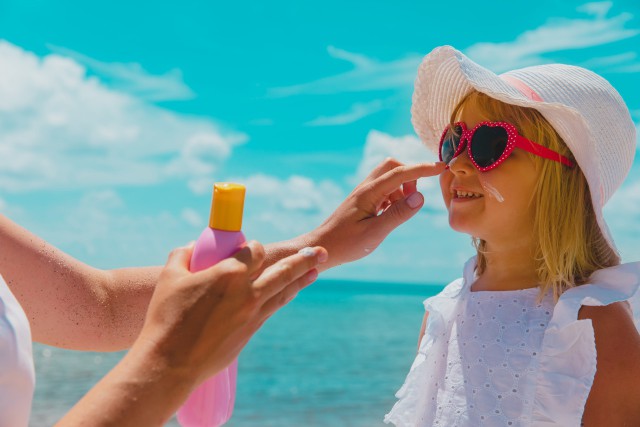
197,323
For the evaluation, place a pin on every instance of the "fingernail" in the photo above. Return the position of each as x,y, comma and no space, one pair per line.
323,256
312,276
288,300
414,200
308,252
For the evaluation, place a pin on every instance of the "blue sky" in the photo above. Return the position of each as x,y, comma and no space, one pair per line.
115,120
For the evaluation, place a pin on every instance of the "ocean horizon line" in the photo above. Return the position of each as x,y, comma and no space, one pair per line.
375,287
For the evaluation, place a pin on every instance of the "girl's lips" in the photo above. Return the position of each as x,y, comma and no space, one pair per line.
456,199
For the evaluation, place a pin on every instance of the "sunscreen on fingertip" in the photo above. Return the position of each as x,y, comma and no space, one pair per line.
211,404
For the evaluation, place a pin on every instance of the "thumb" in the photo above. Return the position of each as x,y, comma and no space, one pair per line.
400,211
180,258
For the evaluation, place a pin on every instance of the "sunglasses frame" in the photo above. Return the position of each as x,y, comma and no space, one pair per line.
514,140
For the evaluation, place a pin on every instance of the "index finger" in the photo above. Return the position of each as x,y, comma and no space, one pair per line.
393,179
288,270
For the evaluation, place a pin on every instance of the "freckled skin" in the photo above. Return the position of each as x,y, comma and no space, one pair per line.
68,303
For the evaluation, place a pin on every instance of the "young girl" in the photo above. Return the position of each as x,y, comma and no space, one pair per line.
539,331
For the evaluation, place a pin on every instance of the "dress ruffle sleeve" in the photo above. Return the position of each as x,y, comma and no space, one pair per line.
567,360
410,408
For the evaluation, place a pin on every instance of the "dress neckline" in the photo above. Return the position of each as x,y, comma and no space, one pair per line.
470,276
506,292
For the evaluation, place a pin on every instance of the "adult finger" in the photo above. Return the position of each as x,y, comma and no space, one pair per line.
399,212
383,167
288,293
245,261
396,195
288,270
252,255
179,258
410,187
403,174
383,207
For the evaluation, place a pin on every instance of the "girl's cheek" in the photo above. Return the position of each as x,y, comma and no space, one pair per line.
491,191
445,185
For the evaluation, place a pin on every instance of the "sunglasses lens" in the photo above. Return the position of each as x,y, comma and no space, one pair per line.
450,144
488,144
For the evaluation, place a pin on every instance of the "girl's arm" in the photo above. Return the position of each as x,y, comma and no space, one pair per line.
423,328
615,394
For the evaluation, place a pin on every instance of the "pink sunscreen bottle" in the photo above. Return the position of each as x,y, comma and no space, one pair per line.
211,404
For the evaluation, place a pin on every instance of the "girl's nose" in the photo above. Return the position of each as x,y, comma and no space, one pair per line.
462,165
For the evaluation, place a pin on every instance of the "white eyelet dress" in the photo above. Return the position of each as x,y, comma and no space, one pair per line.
504,359
17,377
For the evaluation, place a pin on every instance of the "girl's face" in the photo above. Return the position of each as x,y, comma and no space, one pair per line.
500,209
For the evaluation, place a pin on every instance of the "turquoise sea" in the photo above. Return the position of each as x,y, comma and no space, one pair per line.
335,356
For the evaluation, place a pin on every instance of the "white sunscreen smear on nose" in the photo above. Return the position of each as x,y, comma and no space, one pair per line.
491,190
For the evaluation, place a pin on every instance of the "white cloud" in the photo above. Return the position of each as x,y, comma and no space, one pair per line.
358,60
557,34
296,193
101,229
357,112
193,218
527,49
367,75
277,208
599,9
378,146
623,215
62,129
133,78
622,59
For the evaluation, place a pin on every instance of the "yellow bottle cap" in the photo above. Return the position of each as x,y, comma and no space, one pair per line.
227,206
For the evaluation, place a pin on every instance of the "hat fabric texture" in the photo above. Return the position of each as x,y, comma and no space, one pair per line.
586,111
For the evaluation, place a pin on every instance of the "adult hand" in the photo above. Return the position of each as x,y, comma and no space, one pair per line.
385,199
201,321
196,324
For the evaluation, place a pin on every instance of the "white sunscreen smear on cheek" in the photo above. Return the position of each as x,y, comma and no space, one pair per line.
491,190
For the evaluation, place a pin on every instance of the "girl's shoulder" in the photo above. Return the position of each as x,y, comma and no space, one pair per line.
616,390
605,288
610,301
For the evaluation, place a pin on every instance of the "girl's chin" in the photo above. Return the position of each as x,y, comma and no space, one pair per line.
463,227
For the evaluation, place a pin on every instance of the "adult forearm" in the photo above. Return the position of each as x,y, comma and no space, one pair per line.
71,304
142,390
128,291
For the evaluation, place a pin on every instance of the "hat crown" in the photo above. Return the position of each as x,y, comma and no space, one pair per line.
607,118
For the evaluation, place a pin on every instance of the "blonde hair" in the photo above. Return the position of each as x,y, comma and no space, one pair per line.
569,245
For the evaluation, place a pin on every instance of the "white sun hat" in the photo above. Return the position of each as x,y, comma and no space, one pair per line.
586,111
